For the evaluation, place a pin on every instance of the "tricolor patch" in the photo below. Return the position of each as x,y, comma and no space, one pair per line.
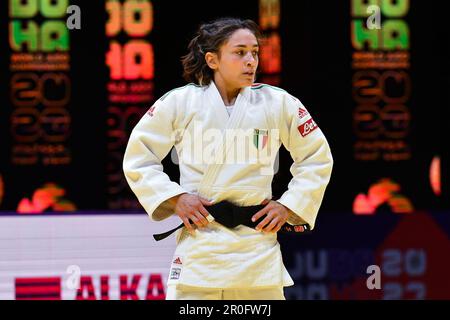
150,111
260,137
257,85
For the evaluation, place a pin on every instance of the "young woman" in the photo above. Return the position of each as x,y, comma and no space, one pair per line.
220,115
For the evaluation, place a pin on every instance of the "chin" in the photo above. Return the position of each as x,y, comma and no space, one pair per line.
247,83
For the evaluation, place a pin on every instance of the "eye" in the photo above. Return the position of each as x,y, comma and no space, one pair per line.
240,52
255,53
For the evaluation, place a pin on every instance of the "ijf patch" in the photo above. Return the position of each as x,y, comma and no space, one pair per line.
175,269
260,137
175,273
307,127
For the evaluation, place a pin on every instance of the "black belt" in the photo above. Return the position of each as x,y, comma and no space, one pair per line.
230,215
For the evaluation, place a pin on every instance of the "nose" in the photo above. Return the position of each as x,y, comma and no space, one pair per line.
250,59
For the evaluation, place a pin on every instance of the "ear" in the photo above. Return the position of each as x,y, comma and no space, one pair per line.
212,60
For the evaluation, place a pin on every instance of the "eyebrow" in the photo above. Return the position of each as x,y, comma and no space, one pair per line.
244,46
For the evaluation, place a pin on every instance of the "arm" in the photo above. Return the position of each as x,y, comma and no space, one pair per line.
312,165
150,142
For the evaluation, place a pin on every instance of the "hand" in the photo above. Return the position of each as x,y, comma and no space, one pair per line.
191,207
277,215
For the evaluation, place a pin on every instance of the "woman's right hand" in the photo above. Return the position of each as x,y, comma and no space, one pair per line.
191,207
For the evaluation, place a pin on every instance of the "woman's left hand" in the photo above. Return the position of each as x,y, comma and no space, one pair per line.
276,216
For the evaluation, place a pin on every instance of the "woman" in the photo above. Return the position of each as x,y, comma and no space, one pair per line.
220,115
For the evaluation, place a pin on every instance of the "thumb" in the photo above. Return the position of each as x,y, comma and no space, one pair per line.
205,201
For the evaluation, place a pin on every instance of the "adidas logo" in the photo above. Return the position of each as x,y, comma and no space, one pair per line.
177,261
302,112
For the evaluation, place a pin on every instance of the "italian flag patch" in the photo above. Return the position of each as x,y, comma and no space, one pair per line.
260,137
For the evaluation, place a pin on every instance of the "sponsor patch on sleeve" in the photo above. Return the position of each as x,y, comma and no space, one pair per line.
307,127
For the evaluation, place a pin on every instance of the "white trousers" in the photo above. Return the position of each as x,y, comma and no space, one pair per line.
197,293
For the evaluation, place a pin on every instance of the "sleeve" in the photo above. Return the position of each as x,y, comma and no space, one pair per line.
149,143
313,162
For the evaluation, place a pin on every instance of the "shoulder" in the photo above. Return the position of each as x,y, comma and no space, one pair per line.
180,93
267,89
277,96
176,101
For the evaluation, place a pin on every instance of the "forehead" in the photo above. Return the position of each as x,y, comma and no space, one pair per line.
242,37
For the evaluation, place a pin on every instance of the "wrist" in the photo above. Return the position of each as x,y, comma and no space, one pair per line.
173,201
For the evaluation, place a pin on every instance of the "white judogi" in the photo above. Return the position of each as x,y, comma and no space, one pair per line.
194,120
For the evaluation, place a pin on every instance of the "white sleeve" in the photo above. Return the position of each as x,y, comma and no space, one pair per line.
149,143
312,165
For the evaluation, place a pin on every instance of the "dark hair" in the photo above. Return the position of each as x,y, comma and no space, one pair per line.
209,38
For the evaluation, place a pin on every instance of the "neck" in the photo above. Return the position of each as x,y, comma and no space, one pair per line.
228,94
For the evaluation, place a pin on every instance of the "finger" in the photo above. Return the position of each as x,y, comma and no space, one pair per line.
260,213
203,211
204,201
196,220
263,223
201,219
279,226
271,226
188,225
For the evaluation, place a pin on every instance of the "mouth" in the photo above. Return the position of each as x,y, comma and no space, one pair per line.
249,74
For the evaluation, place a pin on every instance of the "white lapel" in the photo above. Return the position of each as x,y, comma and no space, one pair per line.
216,101
233,122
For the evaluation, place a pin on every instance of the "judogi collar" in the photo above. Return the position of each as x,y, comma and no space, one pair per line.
217,103
233,121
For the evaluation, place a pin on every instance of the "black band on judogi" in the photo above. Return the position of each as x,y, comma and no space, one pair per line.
231,216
